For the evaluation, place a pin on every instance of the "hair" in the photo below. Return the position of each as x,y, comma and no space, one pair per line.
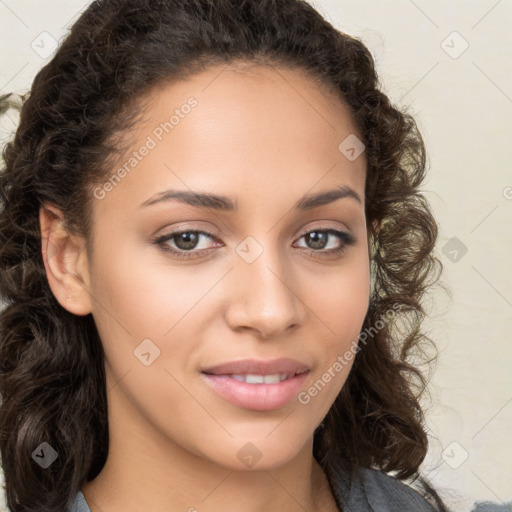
52,378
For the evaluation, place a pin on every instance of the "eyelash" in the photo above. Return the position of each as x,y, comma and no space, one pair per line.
346,238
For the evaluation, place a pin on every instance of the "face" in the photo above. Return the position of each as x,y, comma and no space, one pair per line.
221,316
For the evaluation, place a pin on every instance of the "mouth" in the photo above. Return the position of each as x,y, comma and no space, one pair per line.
273,378
271,367
255,384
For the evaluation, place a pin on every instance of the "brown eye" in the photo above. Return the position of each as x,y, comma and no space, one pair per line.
186,241
318,240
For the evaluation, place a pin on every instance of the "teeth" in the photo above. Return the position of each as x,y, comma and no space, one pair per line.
255,379
261,379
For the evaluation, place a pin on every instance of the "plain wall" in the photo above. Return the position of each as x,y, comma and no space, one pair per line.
462,100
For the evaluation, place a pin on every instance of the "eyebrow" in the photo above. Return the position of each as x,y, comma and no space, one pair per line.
218,202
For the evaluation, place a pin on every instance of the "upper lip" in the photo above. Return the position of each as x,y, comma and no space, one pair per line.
258,367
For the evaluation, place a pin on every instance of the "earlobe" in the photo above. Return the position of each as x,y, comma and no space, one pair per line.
65,260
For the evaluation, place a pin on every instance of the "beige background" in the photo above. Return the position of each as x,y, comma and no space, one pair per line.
462,99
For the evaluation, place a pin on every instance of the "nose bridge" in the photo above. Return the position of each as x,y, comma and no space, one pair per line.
265,298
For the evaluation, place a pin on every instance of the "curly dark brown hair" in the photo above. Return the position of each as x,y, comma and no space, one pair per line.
52,378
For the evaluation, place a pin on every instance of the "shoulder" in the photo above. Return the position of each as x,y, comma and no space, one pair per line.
489,506
373,490
79,504
384,488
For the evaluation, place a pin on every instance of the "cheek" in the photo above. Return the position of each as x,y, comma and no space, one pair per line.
150,317
341,301
145,318
136,292
340,304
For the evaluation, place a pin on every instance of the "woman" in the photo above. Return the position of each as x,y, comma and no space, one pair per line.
213,254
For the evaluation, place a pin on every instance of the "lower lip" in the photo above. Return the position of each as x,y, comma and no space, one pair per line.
258,397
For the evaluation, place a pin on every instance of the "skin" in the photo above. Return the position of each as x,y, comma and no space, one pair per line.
264,137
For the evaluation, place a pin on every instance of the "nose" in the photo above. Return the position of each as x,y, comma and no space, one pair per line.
265,300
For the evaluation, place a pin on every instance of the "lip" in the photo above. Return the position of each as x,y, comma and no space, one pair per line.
258,397
258,366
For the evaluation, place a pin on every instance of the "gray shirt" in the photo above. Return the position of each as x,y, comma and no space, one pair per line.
373,491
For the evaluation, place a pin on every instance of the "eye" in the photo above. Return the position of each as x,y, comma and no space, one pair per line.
319,239
184,242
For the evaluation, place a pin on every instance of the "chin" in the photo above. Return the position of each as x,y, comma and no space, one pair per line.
267,452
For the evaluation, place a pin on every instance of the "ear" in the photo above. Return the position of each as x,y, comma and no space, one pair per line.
65,261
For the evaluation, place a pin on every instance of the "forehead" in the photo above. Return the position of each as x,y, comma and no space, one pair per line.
251,90
239,129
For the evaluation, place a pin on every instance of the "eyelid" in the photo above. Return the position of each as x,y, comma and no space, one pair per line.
336,227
